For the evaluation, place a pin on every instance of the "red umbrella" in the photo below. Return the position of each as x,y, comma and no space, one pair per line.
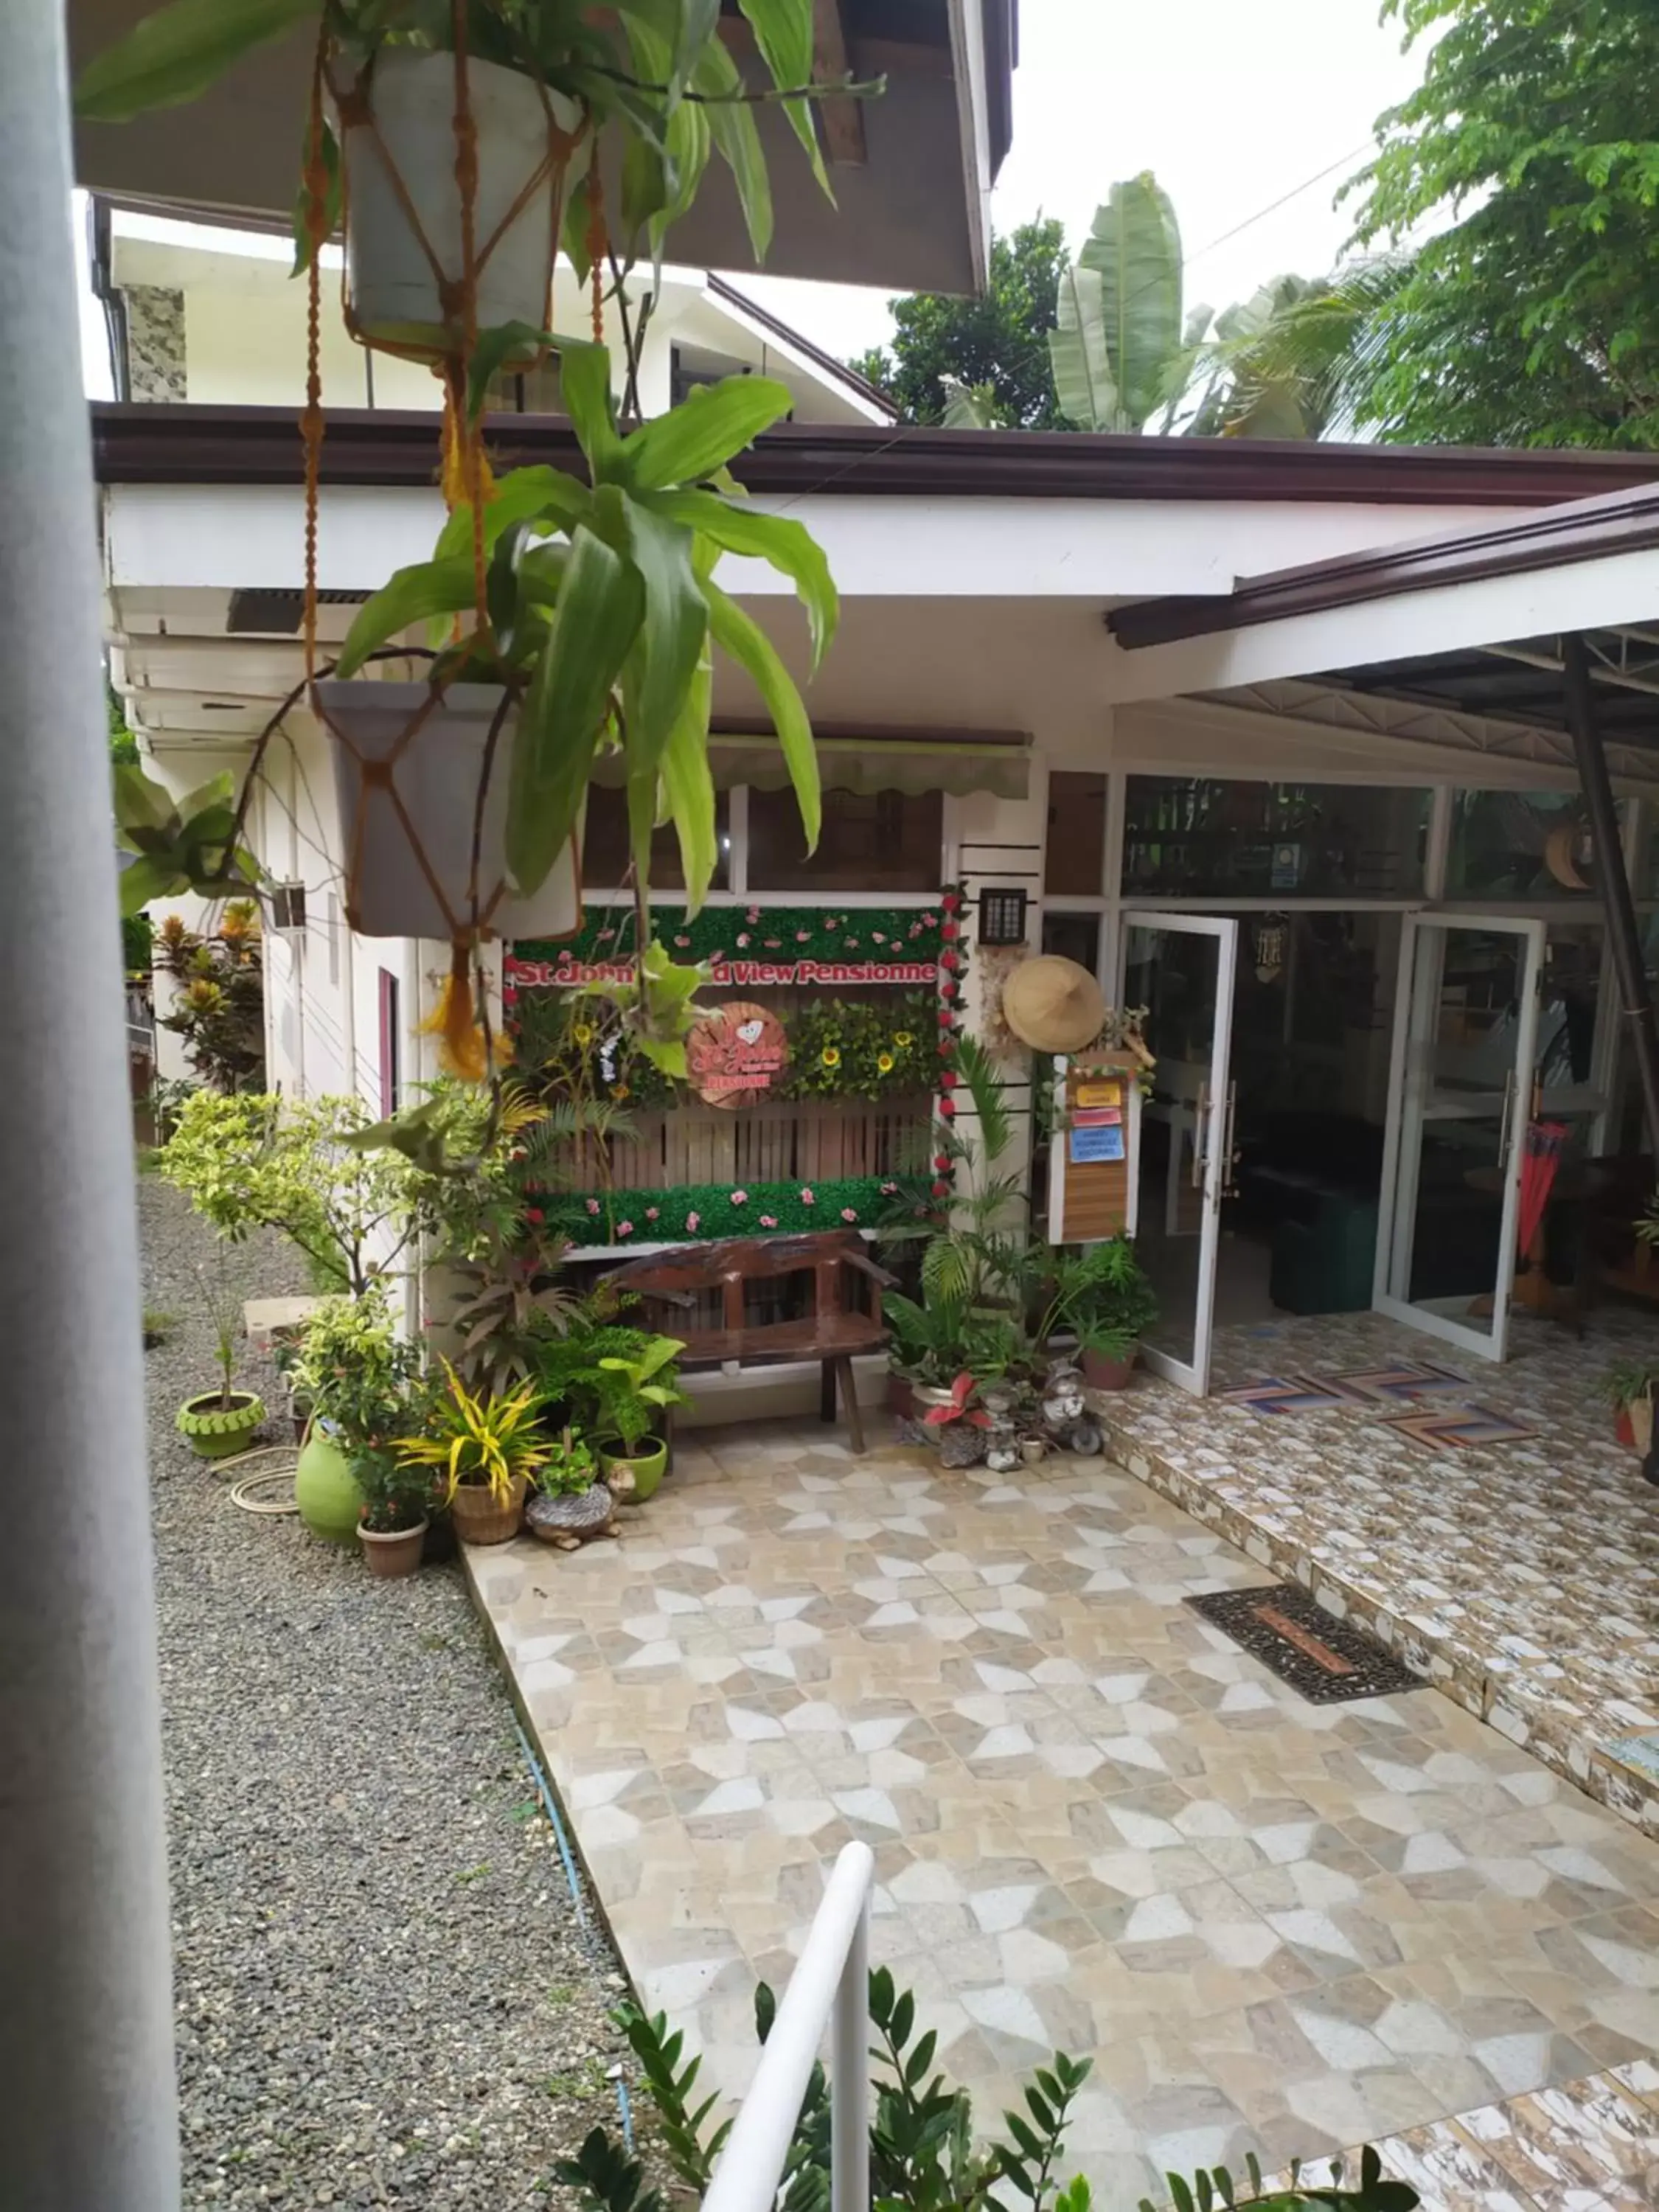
1539,1162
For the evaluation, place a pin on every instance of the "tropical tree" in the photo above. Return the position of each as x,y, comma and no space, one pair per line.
1533,317
1296,360
991,348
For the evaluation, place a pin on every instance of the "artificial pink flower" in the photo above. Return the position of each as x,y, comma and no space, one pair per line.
877,937
849,1213
773,943
806,1197
624,1229
803,936
929,920
693,1223
739,1198
682,940
888,1188
753,914
592,1204
650,1213
534,1214
768,1220
743,937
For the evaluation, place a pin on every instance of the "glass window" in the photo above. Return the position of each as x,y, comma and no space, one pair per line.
1077,834
879,841
1518,845
1074,937
604,846
1199,837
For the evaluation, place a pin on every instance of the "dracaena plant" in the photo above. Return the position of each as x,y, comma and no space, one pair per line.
655,74
604,613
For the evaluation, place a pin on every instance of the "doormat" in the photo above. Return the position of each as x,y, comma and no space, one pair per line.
1324,1659
1405,1383
1281,1393
1466,1428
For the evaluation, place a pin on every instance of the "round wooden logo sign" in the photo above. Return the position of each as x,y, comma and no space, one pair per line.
736,1053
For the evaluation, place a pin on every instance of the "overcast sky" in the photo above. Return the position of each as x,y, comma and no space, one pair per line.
1233,103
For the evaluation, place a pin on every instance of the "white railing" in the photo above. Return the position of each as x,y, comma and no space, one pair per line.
833,1976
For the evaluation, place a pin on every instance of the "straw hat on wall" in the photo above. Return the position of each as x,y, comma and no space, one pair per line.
1053,1005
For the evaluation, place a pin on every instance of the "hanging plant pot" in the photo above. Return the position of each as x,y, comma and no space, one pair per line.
435,774
404,202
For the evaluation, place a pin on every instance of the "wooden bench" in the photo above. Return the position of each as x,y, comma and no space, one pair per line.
834,1333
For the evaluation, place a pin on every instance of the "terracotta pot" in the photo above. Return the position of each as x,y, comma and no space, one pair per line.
409,116
1624,1428
901,1397
1101,1373
437,775
392,1554
480,1518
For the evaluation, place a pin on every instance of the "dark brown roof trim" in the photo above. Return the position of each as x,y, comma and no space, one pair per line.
787,335
1587,530
148,443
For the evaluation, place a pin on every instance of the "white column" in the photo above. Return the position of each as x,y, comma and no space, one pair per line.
87,2101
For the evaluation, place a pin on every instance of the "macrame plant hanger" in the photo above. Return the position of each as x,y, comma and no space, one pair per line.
461,1020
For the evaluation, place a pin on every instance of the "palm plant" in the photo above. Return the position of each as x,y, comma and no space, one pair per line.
1299,359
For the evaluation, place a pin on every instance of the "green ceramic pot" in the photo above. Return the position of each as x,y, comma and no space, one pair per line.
214,1430
647,1465
326,1491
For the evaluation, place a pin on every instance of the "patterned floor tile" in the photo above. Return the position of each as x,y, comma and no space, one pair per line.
1098,1824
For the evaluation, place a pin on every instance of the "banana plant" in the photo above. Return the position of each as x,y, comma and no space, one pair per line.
604,615
1118,312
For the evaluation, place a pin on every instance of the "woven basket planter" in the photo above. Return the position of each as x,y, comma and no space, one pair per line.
480,1518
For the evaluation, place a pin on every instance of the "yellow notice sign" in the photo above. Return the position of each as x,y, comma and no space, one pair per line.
1098,1094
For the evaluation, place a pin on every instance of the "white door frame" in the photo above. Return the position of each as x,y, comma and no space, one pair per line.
1212,1125
1416,1005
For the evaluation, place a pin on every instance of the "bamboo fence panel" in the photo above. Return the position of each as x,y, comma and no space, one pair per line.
775,1141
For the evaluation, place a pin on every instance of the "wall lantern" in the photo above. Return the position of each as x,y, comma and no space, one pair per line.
1002,917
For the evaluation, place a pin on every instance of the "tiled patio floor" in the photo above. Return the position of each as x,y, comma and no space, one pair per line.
1524,1577
1098,1824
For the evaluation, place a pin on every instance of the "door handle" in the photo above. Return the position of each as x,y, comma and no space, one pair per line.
1200,1135
1229,1151
1509,1090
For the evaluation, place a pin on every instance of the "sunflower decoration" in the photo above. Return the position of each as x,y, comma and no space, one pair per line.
886,1063
903,1040
830,1056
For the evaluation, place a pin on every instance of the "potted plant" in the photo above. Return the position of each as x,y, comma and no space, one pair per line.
354,1372
959,1424
1101,1296
221,1422
486,1448
633,1389
1630,1385
572,1503
392,1518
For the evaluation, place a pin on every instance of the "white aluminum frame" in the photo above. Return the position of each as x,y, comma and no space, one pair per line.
1210,1127
1417,999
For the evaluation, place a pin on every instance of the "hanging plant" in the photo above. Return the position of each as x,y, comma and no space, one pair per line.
571,618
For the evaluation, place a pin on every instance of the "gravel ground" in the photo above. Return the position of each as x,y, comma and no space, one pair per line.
383,1994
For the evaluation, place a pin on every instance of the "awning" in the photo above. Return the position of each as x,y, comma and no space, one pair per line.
956,765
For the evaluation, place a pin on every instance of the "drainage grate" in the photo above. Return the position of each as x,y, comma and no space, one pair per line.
1324,1658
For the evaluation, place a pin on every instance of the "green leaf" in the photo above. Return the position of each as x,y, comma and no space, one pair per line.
411,595
494,346
673,633
178,53
141,803
527,495
1180,2196
1077,351
585,384
904,2018
788,546
732,122
689,787
881,1996
574,225
1134,247
151,876
748,644
600,606
783,31
711,423
333,202
698,24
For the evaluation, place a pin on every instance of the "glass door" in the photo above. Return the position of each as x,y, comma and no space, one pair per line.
1460,1096
1180,967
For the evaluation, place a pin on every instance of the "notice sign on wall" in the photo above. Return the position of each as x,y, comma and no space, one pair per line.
735,1053
1093,1160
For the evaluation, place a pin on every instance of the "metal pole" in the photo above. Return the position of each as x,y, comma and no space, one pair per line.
87,2100
849,2078
1624,938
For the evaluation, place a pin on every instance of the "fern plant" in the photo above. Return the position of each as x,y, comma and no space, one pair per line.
923,2154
